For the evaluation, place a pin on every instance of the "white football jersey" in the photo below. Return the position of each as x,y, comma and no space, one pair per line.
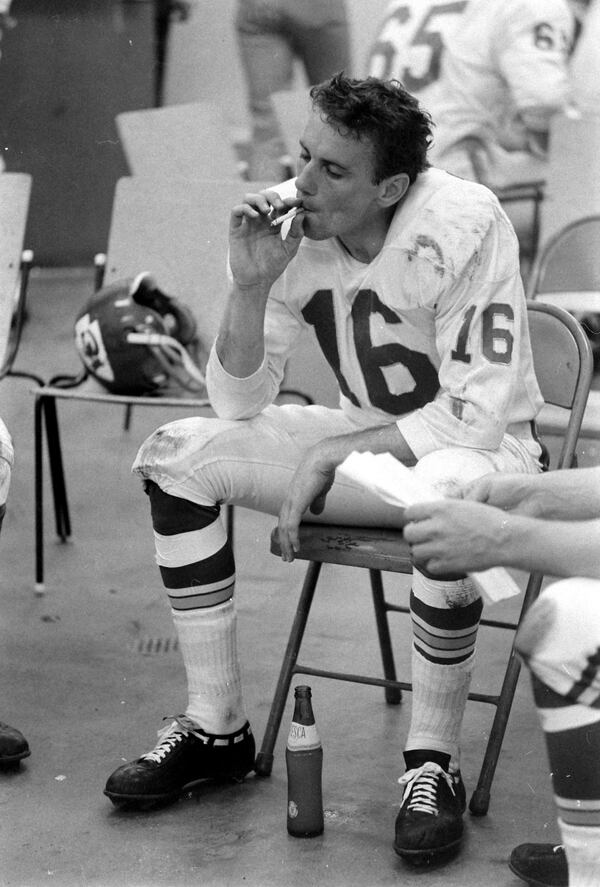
504,72
431,334
410,41
585,64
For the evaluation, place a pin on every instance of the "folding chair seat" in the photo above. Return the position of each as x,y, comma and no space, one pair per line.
563,365
188,141
15,265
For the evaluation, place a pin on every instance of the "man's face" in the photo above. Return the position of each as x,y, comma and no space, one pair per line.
335,182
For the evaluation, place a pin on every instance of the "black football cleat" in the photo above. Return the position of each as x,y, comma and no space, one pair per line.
13,746
540,865
184,756
429,825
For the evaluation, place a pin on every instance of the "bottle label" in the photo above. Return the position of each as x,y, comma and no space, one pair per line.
303,737
292,810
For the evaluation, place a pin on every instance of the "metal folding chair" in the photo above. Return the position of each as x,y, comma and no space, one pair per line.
563,364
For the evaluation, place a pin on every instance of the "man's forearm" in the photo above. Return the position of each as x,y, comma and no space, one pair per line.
382,439
241,340
569,495
556,548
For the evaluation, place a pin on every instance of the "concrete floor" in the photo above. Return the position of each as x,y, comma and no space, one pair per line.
88,675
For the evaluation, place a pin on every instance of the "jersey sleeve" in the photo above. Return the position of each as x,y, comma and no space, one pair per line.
485,374
532,47
233,398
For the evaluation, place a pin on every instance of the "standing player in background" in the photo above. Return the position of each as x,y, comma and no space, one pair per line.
550,523
504,74
410,279
272,35
491,73
13,745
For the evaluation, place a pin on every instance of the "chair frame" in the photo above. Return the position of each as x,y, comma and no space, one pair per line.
386,550
579,301
544,256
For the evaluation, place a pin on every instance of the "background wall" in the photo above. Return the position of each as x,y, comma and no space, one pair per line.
67,68
70,66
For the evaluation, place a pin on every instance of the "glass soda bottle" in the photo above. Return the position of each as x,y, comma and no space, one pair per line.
304,761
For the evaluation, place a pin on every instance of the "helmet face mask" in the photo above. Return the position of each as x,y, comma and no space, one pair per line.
135,340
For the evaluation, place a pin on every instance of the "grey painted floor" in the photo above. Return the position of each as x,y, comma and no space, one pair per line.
86,679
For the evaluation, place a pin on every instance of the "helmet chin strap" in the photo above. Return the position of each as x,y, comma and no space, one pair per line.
173,358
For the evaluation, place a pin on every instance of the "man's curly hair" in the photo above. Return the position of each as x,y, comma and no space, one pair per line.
384,113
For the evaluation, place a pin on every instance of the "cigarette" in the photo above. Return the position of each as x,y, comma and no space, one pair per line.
284,218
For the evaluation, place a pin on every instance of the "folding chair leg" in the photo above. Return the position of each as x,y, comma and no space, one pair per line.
39,501
264,759
393,695
59,490
127,417
480,800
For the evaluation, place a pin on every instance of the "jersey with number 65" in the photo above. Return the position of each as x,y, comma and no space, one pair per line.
409,43
494,70
431,334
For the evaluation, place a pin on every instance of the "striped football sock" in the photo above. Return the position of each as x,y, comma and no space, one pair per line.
445,618
572,733
198,571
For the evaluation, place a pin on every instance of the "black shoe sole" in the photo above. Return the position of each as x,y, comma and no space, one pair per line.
149,802
9,760
427,857
531,881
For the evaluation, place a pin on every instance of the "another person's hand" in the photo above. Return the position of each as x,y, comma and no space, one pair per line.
258,254
520,493
452,536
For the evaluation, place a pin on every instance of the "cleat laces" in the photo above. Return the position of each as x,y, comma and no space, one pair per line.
421,787
170,736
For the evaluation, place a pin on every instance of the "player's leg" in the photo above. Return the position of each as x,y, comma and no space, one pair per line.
188,468
267,61
320,34
445,616
559,640
13,745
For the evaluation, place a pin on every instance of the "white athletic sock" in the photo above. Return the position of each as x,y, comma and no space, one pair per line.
445,616
439,698
582,846
208,643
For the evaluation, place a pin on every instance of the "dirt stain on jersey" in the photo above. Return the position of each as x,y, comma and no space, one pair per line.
428,248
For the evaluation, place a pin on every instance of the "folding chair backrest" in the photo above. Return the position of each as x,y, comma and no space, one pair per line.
177,230
189,140
15,190
569,264
572,183
563,364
